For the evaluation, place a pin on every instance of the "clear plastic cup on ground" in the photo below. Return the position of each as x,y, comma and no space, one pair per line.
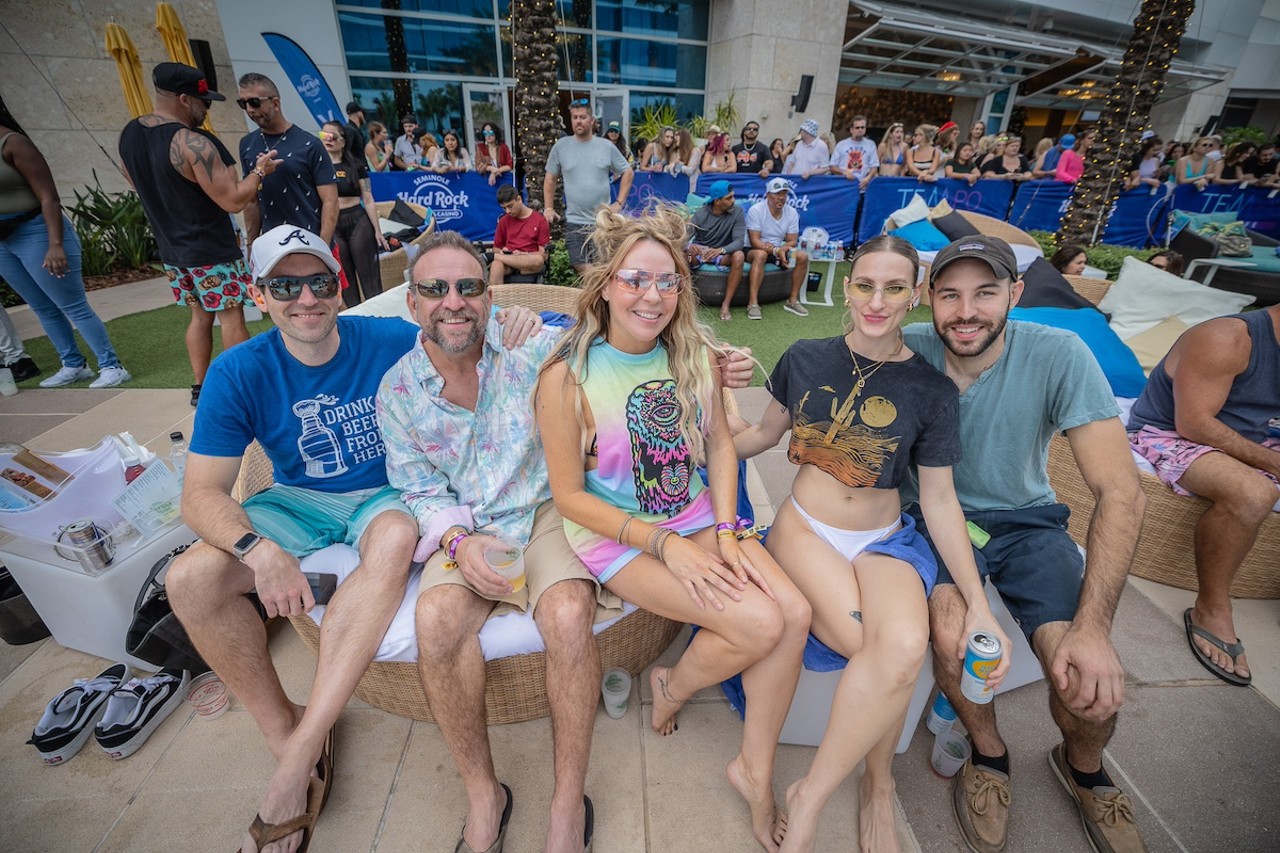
208,695
615,688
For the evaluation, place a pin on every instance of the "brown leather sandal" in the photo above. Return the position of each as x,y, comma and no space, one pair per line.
264,833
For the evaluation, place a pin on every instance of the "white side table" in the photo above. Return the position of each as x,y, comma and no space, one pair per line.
87,613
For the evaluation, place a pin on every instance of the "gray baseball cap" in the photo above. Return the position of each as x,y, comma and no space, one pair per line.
992,251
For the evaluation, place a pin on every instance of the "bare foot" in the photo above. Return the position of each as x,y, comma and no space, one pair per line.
286,798
665,705
725,315
767,824
802,824
484,814
877,826
1223,627
567,827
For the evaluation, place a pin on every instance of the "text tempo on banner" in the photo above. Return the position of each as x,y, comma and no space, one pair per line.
885,195
1136,218
463,202
1257,207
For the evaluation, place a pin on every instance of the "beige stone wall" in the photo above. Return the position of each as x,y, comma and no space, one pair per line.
761,48
58,47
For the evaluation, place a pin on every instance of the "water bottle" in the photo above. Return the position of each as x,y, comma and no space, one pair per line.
178,453
941,716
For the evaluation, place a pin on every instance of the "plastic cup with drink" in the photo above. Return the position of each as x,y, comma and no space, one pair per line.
506,558
950,751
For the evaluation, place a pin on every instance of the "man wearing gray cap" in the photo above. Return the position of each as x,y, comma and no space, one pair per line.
1020,383
306,392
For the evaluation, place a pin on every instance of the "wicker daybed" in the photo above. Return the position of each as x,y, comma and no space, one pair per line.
515,686
1166,550
391,265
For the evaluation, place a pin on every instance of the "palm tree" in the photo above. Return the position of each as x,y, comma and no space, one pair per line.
537,96
1157,33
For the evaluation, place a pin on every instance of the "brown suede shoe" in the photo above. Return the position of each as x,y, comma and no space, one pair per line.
1105,812
980,797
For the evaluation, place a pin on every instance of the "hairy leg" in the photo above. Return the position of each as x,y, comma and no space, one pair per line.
1085,738
199,341
755,276
451,667
1242,499
946,621
564,615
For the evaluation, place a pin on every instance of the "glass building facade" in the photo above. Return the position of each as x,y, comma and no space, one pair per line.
449,61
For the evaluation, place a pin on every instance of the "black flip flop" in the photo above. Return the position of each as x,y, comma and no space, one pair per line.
588,834
1232,650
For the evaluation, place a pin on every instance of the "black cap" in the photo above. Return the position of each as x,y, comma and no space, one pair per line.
353,108
409,118
992,251
183,80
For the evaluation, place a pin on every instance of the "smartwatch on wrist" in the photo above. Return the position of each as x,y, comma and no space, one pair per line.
245,544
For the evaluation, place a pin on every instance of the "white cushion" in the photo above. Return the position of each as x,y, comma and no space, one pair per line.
1025,255
388,303
913,212
1143,297
502,636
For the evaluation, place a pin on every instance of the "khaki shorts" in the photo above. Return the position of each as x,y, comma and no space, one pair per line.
548,559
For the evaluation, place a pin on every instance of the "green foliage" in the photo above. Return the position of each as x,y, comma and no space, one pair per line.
8,298
559,270
1104,256
647,124
113,230
1232,135
726,114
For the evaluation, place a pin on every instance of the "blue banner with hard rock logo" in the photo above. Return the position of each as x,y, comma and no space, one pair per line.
465,202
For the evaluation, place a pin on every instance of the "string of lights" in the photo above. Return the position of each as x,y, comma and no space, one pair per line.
1157,36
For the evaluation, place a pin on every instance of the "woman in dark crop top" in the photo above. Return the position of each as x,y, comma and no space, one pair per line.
358,235
861,410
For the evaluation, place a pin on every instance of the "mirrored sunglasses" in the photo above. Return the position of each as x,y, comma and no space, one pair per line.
438,288
486,133
669,284
287,288
894,294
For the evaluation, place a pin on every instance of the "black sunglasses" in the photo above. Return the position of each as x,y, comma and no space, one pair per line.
751,130
287,288
245,103
438,288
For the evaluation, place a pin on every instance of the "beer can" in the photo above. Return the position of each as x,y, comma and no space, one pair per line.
941,715
981,655
90,544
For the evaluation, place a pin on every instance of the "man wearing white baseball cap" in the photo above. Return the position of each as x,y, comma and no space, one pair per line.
773,230
306,392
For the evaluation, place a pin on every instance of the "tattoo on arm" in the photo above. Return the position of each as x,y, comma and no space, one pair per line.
203,153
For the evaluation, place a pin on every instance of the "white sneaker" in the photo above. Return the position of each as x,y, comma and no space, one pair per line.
110,377
794,307
67,375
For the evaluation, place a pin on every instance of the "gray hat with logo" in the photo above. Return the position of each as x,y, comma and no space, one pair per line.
992,251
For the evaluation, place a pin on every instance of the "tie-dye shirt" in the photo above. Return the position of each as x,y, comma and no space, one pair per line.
486,469
644,465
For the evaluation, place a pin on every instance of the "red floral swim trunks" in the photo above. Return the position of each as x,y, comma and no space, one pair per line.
212,286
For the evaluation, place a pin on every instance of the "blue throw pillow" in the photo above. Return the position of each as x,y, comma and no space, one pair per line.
1118,362
924,235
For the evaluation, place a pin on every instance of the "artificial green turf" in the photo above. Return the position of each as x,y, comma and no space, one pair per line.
151,346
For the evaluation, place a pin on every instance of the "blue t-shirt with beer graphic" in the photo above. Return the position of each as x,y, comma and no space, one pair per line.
318,425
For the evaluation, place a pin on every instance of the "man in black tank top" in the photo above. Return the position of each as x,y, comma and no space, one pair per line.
1204,422
189,188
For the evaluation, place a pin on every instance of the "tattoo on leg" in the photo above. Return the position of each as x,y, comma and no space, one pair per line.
666,694
857,615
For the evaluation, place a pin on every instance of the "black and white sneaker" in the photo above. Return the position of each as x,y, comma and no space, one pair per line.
69,718
137,709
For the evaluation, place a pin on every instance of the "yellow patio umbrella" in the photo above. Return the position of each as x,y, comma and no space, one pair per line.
174,36
121,48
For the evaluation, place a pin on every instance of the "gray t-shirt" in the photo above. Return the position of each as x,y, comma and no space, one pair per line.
718,232
1045,381
585,168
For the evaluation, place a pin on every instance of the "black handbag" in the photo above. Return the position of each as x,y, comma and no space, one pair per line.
155,634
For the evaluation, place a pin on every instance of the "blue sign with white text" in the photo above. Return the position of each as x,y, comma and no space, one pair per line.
1257,207
306,78
1136,218
463,202
828,201
885,195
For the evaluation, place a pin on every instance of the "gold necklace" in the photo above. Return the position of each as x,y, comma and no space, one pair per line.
864,377
842,415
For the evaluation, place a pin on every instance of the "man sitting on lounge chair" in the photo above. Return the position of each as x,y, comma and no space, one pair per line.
1203,422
